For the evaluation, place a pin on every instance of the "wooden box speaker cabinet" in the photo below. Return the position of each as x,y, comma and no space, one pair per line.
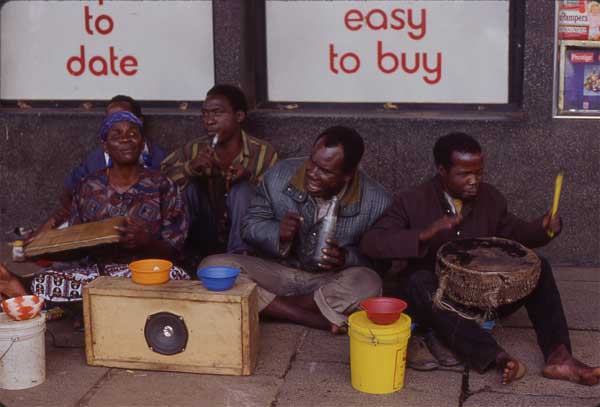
177,326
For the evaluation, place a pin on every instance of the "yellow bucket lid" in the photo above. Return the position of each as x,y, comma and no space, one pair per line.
360,324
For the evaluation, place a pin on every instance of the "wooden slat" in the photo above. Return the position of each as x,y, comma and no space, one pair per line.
235,371
87,321
172,289
250,332
75,237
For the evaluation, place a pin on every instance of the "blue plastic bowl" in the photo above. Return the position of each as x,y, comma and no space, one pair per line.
218,278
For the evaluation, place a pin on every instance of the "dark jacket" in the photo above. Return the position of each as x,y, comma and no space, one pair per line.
282,190
395,236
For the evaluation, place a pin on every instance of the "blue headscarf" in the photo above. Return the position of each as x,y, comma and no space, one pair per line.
116,117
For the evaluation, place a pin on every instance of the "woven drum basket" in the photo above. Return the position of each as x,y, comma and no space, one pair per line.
486,272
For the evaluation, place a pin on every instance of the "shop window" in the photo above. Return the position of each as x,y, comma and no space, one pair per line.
394,55
61,52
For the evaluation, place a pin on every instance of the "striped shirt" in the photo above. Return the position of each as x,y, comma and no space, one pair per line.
256,157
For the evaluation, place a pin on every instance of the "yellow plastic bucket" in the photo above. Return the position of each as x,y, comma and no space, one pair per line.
377,353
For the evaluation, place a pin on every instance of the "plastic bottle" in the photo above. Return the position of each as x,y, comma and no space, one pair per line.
18,253
327,229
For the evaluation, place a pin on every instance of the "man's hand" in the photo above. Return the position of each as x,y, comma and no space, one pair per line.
133,234
61,216
10,286
289,226
552,223
443,223
236,173
203,160
334,256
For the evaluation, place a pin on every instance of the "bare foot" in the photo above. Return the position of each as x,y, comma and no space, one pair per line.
338,330
511,368
561,365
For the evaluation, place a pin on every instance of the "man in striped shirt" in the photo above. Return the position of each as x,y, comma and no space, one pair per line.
219,174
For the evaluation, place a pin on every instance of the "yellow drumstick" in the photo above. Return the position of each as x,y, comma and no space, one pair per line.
557,188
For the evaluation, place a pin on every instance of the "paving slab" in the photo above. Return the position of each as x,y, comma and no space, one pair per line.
322,346
492,399
71,378
521,344
278,344
149,388
60,334
319,383
68,379
306,367
563,273
581,302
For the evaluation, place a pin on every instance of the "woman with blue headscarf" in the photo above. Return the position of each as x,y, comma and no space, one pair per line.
155,225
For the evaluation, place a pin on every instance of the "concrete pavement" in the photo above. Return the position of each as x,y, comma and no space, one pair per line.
305,367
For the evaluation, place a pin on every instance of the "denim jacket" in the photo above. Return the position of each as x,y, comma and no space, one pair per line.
282,190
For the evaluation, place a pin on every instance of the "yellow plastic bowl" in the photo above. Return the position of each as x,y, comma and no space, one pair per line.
150,271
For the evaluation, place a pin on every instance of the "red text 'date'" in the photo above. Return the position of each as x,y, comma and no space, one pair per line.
99,65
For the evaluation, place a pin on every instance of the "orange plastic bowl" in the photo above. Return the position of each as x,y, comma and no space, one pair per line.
383,310
24,307
150,271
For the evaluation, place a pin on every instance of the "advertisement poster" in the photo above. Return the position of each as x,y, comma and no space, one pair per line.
579,20
85,50
426,51
582,80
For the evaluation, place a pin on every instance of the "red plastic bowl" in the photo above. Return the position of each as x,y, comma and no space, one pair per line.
383,310
22,308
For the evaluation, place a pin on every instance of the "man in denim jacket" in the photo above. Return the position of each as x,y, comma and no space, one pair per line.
283,223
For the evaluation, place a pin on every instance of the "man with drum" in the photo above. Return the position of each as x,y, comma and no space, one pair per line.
456,204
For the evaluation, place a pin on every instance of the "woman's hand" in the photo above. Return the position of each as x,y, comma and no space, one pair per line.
133,234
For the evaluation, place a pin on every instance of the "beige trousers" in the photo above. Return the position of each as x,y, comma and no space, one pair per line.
336,293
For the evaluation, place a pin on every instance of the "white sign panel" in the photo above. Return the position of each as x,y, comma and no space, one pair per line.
78,50
428,51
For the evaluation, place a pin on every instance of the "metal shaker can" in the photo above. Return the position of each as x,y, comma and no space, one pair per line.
327,230
18,253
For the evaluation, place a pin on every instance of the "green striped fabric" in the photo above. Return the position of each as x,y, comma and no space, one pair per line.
256,156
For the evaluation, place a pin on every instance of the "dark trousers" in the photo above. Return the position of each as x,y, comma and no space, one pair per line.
202,236
474,345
